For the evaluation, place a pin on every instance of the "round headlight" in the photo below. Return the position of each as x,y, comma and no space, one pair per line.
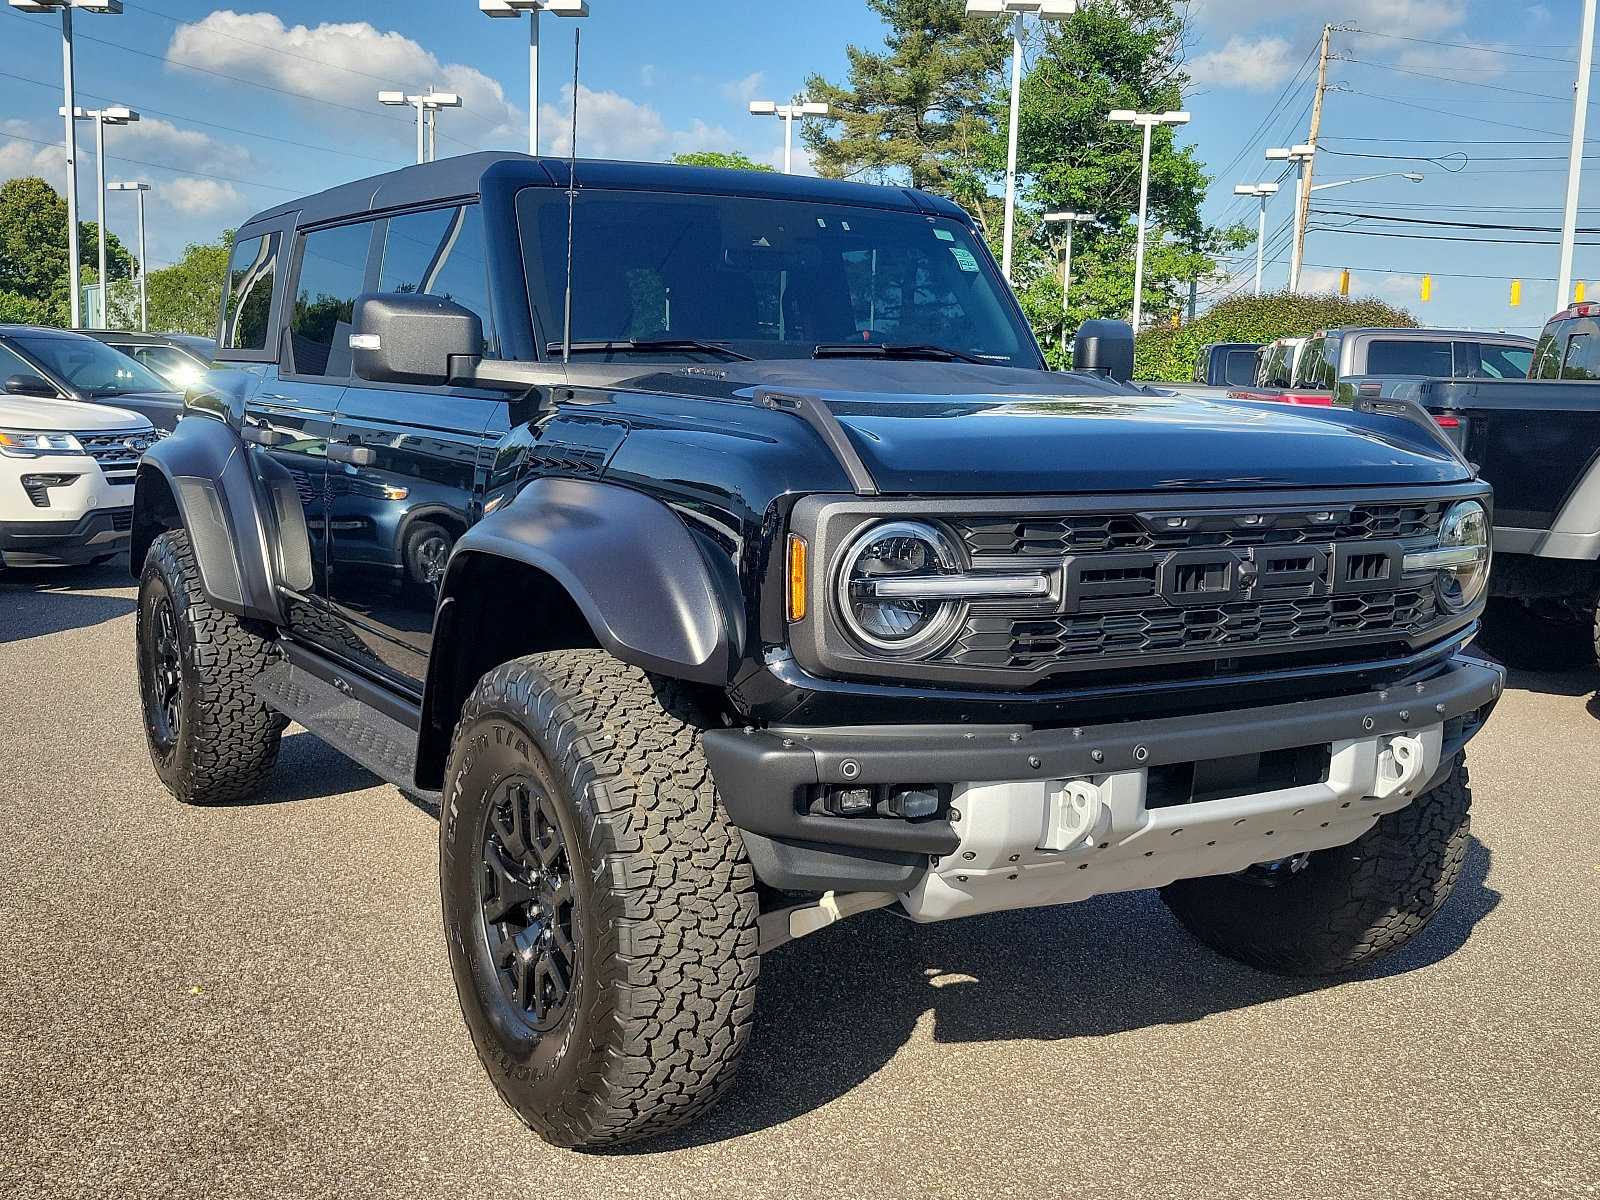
898,552
1465,527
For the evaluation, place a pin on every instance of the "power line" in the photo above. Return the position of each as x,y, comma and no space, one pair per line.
139,162
1481,47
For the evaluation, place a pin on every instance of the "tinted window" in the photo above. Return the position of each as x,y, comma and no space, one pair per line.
333,267
1547,355
1409,358
251,270
1582,359
439,253
775,278
1239,368
92,367
11,365
173,365
1485,361
1315,369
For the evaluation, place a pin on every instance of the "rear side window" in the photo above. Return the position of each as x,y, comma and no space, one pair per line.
252,269
1483,360
333,268
1410,358
1239,368
1547,354
1582,359
439,253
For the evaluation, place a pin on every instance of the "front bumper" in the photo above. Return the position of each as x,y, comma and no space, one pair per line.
94,535
1005,780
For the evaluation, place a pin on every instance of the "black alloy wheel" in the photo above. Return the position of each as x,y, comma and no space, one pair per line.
163,676
529,904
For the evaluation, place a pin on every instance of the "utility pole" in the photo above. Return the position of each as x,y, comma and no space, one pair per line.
1303,207
1580,109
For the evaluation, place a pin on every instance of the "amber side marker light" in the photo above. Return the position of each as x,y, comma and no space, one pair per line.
797,577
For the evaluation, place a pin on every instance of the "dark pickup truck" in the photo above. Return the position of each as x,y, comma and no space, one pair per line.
1537,441
779,580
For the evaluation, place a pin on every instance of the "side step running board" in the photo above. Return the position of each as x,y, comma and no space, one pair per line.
378,742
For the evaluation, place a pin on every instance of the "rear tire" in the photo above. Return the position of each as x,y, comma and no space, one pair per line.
599,909
212,739
1528,639
1333,910
427,549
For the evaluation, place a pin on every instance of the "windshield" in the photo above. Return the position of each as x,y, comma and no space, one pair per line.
91,368
765,278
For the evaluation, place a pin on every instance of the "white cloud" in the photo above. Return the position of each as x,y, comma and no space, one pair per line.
345,64
21,158
1410,18
744,90
1404,291
200,197
612,126
1256,66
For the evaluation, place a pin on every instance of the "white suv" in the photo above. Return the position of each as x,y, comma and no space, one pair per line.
66,479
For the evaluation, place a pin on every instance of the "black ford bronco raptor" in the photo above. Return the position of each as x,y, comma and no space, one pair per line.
763,576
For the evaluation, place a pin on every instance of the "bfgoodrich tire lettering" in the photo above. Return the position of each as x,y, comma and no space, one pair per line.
212,739
1342,907
657,943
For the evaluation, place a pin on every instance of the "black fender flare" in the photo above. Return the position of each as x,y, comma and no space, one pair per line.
629,563
201,478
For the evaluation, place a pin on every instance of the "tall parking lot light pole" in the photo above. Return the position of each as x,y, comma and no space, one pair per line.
139,189
65,7
425,104
432,103
117,114
1262,192
788,114
1301,156
1049,10
515,8
1070,220
1146,121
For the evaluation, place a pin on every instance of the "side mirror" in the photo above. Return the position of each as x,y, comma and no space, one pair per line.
1105,346
401,337
32,385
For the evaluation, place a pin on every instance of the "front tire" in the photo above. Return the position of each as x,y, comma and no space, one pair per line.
212,739
599,909
1332,910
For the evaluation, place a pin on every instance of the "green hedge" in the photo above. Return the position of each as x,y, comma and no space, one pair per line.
1169,354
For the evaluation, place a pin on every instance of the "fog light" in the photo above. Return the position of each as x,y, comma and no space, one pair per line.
913,802
847,802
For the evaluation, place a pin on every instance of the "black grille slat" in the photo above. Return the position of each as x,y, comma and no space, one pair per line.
118,452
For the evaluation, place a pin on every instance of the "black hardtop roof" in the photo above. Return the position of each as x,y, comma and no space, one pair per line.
464,176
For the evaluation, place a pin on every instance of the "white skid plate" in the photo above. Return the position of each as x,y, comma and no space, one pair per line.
1026,843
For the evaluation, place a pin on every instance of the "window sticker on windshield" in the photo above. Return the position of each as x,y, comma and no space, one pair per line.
964,258
944,235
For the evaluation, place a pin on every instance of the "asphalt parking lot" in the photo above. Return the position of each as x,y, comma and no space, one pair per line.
254,1001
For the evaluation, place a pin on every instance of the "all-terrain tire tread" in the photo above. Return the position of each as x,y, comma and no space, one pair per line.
1401,871
235,734
677,888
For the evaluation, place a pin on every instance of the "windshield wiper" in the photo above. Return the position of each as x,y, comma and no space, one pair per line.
879,350
645,345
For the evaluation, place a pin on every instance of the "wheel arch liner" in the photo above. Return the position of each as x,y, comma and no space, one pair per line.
629,563
208,474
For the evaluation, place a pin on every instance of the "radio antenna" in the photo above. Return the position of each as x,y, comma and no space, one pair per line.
572,194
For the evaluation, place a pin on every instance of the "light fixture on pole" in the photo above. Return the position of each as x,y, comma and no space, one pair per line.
1413,176
1146,121
1262,191
788,114
65,7
139,189
515,8
1048,10
1301,156
1070,220
426,105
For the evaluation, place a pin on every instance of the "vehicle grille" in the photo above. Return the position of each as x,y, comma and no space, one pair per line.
118,453
121,519
1218,584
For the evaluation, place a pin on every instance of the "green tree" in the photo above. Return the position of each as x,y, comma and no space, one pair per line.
1165,353
33,252
187,296
923,111
718,158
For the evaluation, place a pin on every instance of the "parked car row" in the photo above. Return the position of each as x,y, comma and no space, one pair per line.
78,410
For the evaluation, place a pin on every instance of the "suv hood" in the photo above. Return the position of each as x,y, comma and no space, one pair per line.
948,428
65,416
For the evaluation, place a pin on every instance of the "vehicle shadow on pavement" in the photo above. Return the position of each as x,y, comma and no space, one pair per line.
309,769
36,601
838,1006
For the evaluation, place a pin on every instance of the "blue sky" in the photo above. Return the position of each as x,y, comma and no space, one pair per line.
248,106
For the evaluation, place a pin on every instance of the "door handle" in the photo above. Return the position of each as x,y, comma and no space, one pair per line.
262,435
344,452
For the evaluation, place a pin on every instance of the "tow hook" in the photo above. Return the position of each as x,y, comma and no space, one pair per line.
1400,767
